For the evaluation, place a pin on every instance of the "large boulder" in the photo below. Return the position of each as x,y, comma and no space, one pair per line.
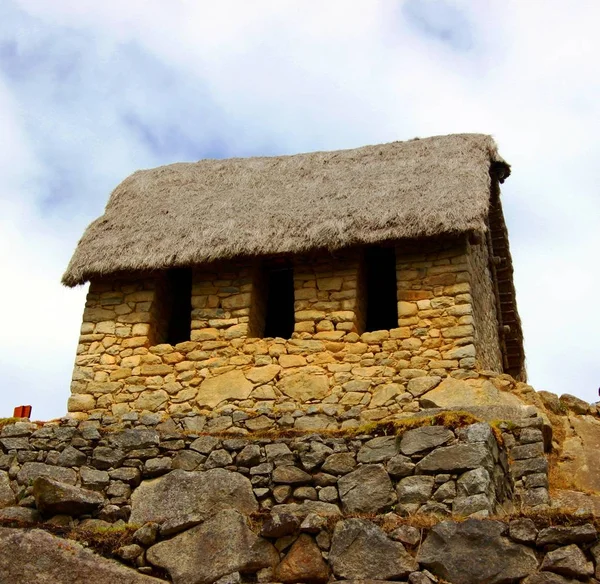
368,489
361,550
182,495
37,557
54,498
452,393
579,455
221,545
568,561
475,551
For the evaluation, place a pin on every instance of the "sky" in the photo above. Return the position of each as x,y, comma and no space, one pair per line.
92,91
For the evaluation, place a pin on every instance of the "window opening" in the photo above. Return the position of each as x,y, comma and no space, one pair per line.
279,318
179,295
382,303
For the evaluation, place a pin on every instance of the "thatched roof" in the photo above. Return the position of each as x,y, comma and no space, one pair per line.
198,212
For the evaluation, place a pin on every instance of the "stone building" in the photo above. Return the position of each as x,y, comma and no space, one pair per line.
342,278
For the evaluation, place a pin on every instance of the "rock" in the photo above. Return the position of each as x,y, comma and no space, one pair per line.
130,552
301,510
279,525
7,497
406,534
425,438
32,470
147,534
37,557
230,385
551,401
420,385
465,506
474,551
249,456
384,393
400,466
315,456
416,489
260,375
522,531
568,561
52,498
303,563
134,439
378,449
360,550
71,457
339,463
290,475
563,535
302,387
548,578
227,545
473,482
457,458
574,404
104,457
197,494
233,578
204,444
578,459
218,459
455,393
313,523
20,515
94,479
368,489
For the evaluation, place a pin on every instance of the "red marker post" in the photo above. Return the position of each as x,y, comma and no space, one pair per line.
22,412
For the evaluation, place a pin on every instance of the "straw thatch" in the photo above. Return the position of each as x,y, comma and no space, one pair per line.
190,213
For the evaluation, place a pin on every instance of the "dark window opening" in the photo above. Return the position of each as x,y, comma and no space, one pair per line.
279,318
382,303
179,295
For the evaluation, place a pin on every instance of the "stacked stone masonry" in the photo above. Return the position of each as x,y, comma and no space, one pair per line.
123,365
321,503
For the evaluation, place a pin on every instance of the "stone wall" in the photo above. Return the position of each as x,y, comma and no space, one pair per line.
307,507
123,364
485,316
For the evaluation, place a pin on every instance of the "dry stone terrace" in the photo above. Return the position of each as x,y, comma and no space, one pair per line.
441,331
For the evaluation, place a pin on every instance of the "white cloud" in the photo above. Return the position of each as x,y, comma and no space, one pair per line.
91,91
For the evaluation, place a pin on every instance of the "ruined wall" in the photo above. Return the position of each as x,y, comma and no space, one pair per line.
123,365
266,507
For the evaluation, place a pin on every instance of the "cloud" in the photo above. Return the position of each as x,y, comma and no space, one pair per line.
90,92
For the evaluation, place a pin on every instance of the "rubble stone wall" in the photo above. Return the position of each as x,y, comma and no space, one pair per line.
123,363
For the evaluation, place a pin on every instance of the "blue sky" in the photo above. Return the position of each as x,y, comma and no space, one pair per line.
90,92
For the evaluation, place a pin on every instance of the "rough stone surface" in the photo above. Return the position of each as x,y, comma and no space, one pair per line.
7,497
360,551
563,535
455,393
191,494
568,561
425,438
378,449
456,458
548,578
230,385
227,545
416,489
303,563
53,498
368,489
31,470
523,531
492,558
303,387
37,557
